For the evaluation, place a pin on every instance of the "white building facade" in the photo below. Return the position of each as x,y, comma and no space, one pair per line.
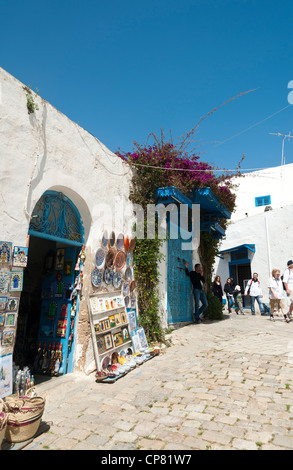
259,235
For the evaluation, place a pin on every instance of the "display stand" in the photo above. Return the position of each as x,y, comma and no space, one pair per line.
109,325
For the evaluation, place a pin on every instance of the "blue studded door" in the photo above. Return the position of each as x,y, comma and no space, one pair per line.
180,304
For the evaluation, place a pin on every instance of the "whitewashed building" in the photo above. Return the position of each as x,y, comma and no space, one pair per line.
52,170
259,235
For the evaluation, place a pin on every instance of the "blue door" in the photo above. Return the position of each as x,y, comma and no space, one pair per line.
180,304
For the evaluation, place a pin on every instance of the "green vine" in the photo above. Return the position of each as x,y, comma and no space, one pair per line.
30,102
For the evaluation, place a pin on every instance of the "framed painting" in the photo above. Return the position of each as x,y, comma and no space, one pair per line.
108,341
12,304
4,281
16,281
2,319
5,252
10,319
3,302
20,255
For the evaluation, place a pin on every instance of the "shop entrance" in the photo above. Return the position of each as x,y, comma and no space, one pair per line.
50,297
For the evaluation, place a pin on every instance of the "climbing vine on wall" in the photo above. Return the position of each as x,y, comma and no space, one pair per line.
165,164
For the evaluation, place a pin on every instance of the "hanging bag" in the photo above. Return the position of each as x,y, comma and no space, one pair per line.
3,420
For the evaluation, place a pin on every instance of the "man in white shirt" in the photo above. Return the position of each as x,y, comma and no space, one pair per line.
288,284
276,294
253,289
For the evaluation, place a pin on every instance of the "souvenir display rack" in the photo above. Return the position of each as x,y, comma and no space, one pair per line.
109,325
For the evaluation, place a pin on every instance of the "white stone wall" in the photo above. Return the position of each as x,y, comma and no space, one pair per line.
47,151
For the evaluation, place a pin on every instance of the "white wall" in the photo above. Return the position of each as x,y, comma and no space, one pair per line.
272,234
276,182
47,151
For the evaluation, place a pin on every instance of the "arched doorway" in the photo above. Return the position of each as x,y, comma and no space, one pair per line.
50,298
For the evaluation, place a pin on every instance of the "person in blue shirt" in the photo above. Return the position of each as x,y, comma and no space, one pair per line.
197,280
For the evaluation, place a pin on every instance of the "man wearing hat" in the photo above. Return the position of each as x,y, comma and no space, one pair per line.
288,284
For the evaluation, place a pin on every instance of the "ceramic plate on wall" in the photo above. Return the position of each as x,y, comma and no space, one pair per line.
97,277
126,243
117,280
132,244
120,260
112,239
125,288
106,361
132,286
100,258
108,276
120,241
128,274
105,239
126,301
110,257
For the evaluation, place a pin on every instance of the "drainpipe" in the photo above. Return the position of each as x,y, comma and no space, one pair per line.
268,244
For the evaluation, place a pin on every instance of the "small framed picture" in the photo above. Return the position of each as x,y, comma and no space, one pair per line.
101,344
4,281
12,304
107,324
3,302
97,328
112,321
16,281
123,317
20,255
117,319
7,338
118,338
2,319
108,341
125,334
10,319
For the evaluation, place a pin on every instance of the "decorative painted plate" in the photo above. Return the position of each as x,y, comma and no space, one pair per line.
100,258
128,274
117,279
105,239
132,286
112,239
126,301
108,276
120,260
106,361
120,241
125,288
110,257
97,277
126,243
132,244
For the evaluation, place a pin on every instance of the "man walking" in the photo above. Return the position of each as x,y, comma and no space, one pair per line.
197,280
253,289
288,284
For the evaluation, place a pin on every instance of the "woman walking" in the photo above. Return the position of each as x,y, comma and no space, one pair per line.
276,294
228,288
217,289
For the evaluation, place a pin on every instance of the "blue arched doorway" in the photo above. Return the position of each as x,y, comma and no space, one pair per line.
50,299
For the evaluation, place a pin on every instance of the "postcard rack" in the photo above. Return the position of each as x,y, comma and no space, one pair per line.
109,325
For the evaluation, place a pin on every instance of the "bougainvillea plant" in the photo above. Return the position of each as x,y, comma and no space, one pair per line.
165,164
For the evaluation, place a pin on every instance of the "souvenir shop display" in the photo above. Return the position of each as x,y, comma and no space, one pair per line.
60,303
13,259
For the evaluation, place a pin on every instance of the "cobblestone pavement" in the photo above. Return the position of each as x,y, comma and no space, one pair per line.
221,385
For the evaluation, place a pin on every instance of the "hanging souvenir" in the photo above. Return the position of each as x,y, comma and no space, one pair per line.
16,281
52,312
4,281
64,311
97,277
59,261
126,243
5,252
48,290
120,242
108,276
81,259
100,258
3,301
61,328
12,304
105,239
68,265
59,289
110,258
112,239
120,260
128,274
132,245
117,279
125,288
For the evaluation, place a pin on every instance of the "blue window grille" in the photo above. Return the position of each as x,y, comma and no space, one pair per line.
262,201
56,218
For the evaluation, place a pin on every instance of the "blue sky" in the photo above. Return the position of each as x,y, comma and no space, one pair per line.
124,69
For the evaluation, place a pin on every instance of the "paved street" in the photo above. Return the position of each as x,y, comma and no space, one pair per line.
221,385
